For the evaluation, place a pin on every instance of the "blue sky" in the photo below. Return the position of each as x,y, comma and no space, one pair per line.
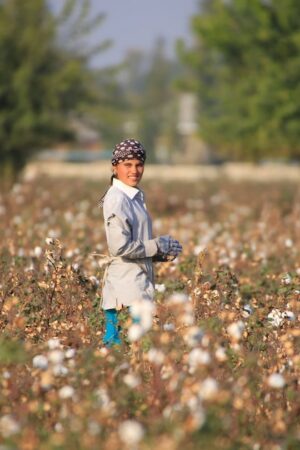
137,24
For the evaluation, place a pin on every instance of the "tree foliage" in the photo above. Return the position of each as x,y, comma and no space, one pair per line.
45,76
150,97
245,70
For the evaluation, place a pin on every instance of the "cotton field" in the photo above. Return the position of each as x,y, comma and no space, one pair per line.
215,362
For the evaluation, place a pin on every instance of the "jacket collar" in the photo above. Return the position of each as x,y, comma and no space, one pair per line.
130,191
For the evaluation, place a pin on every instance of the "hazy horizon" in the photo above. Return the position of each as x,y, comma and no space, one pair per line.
137,25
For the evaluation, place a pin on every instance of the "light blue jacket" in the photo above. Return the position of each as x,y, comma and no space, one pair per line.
128,228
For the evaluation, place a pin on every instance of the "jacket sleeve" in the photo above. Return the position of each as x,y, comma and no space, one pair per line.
120,243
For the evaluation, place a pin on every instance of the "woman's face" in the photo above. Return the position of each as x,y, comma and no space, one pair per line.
129,171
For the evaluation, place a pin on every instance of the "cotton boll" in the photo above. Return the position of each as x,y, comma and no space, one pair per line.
131,432
53,343
17,220
155,356
235,346
275,317
29,268
198,417
289,315
233,254
60,371
56,356
168,327
247,310
132,380
71,363
58,428
103,351
167,412
220,354
6,375
224,261
46,212
54,234
66,392
235,330
69,216
178,297
187,319
70,353
209,389
69,253
205,341
124,366
193,403
135,332
37,251
276,381
215,294
198,357
193,336
75,267
49,241
21,252
9,426
198,249
166,372
146,321
94,281
143,311
40,362
103,400
197,412
160,288
286,279
17,188
288,243
94,428
157,223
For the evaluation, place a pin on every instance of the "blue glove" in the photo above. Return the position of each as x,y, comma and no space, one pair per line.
175,248
168,246
163,244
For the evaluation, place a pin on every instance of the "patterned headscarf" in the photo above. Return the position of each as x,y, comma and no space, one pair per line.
128,149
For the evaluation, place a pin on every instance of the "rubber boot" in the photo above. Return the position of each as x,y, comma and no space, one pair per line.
111,336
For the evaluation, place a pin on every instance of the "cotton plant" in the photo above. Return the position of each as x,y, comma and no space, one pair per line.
185,375
276,381
142,314
131,433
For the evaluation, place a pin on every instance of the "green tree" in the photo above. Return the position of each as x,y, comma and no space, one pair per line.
150,96
45,76
244,67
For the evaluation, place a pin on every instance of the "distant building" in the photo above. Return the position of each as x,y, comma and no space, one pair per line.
86,147
193,149
86,136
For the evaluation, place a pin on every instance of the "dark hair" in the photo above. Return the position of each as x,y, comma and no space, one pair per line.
101,201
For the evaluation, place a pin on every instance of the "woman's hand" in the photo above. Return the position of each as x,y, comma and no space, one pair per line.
168,246
175,248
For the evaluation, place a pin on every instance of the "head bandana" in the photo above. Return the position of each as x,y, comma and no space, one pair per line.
128,149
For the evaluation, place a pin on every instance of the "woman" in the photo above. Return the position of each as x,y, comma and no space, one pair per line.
129,276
